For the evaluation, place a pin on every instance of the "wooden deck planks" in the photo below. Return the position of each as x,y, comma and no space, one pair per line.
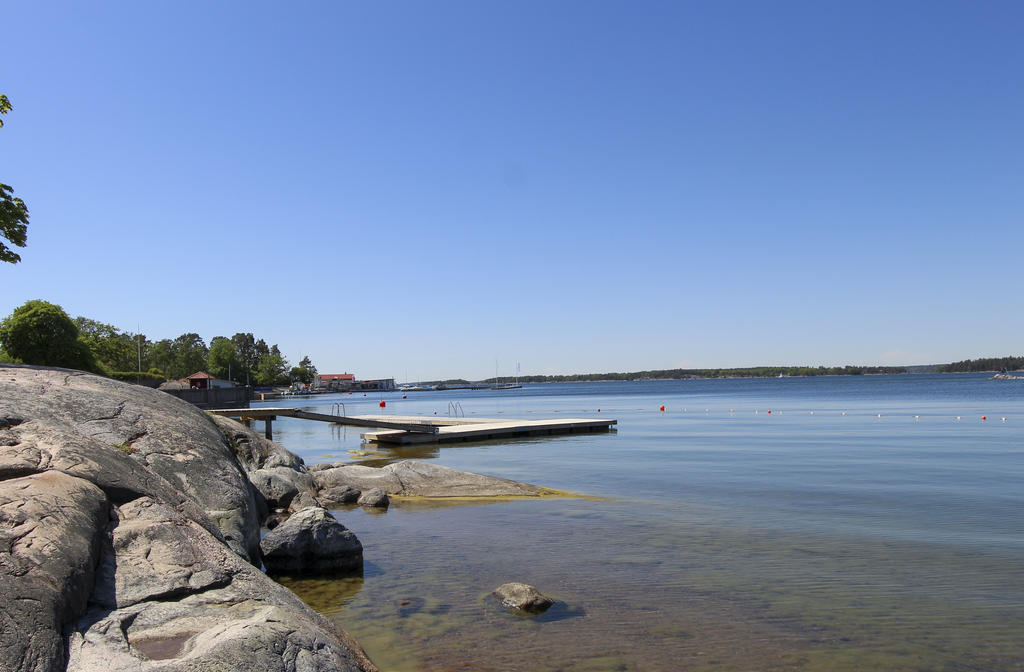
404,429
480,429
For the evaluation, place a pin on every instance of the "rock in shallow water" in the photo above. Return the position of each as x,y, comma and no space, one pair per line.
523,597
374,497
343,494
311,542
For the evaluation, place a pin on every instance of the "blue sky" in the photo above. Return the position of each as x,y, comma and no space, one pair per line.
421,189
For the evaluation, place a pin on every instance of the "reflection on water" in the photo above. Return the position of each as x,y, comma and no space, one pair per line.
864,524
381,455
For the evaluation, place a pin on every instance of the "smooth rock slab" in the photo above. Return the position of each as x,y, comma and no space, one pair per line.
523,597
311,542
422,479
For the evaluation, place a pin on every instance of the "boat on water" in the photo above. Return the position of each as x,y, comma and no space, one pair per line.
506,386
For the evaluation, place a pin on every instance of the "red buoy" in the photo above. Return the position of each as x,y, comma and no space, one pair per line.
382,404
769,411
984,417
662,408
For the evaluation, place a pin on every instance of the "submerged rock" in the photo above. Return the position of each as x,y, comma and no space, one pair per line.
523,597
312,541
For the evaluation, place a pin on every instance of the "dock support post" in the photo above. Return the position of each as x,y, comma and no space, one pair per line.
269,431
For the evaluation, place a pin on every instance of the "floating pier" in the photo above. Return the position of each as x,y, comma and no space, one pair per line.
450,430
405,429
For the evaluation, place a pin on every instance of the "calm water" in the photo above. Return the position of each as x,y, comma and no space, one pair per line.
865,523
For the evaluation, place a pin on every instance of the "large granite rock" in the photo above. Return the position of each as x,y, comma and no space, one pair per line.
278,474
126,523
422,479
172,597
80,418
50,532
255,451
312,542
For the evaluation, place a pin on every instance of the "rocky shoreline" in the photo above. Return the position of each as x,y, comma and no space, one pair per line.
130,527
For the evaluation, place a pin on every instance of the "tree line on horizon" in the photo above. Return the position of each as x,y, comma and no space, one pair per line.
676,374
39,332
984,364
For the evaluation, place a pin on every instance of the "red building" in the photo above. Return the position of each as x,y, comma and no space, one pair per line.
336,380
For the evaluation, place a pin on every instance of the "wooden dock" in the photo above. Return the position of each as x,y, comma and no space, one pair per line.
405,429
450,430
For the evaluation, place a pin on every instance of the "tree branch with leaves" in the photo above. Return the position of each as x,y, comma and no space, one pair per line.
13,213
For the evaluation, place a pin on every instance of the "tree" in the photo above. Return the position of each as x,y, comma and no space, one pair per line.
245,347
13,213
160,356
272,369
223,361
190,355
305,372
39,332
114,349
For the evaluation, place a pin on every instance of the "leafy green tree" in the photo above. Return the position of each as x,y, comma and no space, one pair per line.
305,372
272,369
39,332
13,213
223,361
245,348
160,355
190,355
114,349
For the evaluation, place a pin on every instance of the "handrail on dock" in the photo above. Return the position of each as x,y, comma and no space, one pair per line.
454,408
